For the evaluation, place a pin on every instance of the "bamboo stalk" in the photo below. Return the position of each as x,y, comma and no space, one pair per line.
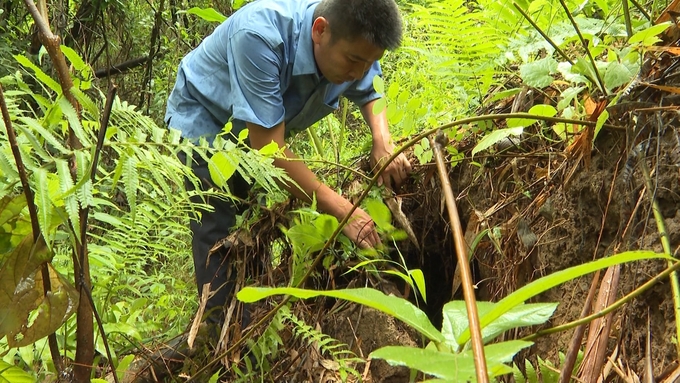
463,263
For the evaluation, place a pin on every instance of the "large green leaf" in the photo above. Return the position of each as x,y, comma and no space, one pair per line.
456,319
557,278
13,374
397,307
538,73
449,366
207,14
495,137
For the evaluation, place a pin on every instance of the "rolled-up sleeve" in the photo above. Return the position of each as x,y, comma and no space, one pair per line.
362,90
256,86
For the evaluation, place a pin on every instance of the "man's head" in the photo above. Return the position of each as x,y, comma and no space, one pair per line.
349,35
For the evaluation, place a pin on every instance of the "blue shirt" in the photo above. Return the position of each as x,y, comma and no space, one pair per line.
258,66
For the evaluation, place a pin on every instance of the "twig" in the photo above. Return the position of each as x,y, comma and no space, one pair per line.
585,46
33,213
540,31
84,282
577,337
626,18
463,262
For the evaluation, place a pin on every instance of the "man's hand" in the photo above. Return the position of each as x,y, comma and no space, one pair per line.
396,173
361,230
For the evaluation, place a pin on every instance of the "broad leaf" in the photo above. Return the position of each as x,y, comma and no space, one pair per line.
12,374
495,137
537,74
456,319
397,307
538,110
649,36
221,168
557,278
207,14
449,366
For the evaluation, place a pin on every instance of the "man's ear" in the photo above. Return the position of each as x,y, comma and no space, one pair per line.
320,29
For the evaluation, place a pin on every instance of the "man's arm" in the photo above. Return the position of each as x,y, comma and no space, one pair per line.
360,228
398,170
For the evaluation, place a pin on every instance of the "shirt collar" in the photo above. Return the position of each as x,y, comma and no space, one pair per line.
304,56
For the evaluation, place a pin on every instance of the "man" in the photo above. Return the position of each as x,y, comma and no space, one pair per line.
276,67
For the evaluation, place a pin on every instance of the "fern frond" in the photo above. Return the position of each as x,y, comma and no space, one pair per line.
66,187
73,120
42,199
39,74
33,140
327,345
131,181
46,134
87,103
7,164
82,163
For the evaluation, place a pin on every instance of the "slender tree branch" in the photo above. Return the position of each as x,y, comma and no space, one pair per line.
84,283
463,261
585,46
540,31
33,213
626,18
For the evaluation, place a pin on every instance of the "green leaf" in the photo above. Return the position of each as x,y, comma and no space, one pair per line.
208,14
537,74
495,137
379,85
42,200
39,74
379,106
601,119
326,225
616,75
557,278
419,279
538,110
380,213
73,58
455,320
568,95
449,366
221,168
649,36
66,187
397,307
73,121
12,374
131,183
305,238
269,149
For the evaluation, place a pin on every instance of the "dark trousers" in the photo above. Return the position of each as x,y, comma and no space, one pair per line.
218,268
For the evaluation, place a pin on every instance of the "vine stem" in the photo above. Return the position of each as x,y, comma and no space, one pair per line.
614,306
463,262
33,213
665,243
364,194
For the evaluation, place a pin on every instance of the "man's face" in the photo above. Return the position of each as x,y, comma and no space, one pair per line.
342,60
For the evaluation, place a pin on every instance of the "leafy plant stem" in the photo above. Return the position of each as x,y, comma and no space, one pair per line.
635,293
626,18
463,262
33,213
665,242
540,31
585,46
363,195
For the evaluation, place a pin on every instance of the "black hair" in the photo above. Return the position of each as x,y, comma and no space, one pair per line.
377,21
